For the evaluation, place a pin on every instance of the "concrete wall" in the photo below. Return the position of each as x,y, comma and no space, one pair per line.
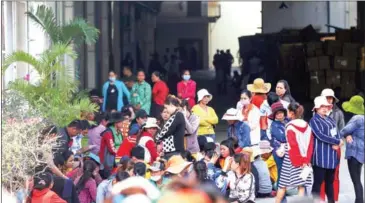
300,14
168,35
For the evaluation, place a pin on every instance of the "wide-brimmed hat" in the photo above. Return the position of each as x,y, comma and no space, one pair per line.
320,101
137,182
202,93
156,166
116,117
259,86
256,150
232,114
355,105
329,93
275,108
151,123
176,164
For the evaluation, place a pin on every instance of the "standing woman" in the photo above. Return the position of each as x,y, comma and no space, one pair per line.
186,88
277,128
283,91
326,143
113,91
259,89
251,116
207,116
337,115
173,131
298,153
191,129
141,93
354,134
159,94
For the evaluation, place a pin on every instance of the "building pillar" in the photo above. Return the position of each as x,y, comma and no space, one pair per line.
21,36
104,41
117,24
91,62
67,14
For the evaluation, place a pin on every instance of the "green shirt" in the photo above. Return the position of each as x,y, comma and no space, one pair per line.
141,94
118,138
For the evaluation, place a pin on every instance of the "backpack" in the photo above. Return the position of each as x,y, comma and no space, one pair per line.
142,142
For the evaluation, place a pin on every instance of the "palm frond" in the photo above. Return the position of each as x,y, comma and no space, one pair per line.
20,56
45,18
78,30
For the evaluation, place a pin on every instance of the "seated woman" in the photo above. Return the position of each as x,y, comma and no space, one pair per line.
42,190
86,184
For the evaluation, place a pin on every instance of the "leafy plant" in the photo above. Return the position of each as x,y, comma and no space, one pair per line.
57,100
76,31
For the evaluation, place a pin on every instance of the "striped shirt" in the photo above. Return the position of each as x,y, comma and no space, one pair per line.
325,136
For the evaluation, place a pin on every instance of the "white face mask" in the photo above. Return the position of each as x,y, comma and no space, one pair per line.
245,102
156,178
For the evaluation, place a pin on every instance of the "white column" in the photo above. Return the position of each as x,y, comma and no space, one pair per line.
66,14
21,35
90,55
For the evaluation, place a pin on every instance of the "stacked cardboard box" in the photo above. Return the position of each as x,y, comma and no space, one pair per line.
335,68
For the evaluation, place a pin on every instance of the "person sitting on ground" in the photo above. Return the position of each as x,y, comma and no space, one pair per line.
86,184
157,170
237,128
42,192
138,156
141,118
105,188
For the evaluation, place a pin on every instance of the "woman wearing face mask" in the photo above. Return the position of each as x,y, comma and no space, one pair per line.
157,174
113,91
326,143
298,153
186,88
283,91
207,116
251,116
278,140
173,132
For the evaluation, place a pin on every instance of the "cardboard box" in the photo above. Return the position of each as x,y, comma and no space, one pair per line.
324,62
348,77
348,90
345,63
333,77
351,50
312,64
343,35
317,77
316,89
314,49
333,48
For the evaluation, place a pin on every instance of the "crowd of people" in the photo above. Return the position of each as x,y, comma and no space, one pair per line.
222,62
147,145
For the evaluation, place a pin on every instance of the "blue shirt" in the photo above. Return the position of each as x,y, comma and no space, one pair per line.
278,136
242,131
325,136
355,128
134,129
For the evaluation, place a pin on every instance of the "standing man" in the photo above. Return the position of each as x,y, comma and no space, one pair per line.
230,61
141,93
113,91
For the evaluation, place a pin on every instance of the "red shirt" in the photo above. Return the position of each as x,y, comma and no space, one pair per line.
160,92
106,143
127,146
187,90
258,99
151,146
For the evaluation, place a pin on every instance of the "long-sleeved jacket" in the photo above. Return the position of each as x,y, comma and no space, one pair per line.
355,128
337,115
277,134
172,134
242,132
191,133
207,119
160,92
150,145
108,150
300,142
187,91
141,94
325,136
122,90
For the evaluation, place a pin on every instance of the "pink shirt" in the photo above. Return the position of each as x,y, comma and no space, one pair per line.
88,193
187,91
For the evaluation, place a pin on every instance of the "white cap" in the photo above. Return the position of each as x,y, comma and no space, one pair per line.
329,93
232,114
320,101
202,93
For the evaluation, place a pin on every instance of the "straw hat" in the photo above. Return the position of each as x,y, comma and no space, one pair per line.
259,86
320,101
202,93
329,93
176,164
151,123
232,114
137,182
355,105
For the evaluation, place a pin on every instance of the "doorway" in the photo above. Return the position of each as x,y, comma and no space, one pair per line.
191,53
